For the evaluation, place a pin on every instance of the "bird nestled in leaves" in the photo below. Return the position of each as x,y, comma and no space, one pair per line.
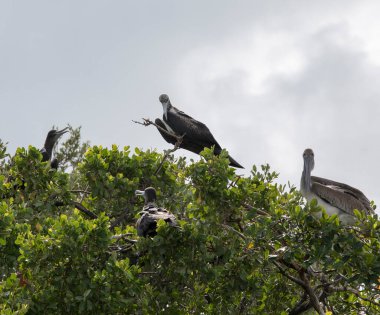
147,223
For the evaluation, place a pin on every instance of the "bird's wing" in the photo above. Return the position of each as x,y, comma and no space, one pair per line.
339,198
346,189
195,130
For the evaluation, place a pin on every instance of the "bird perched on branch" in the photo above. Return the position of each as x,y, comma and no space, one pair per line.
47,151
336,198
196,135
147,223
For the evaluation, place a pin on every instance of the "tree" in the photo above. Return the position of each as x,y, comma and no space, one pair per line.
245,245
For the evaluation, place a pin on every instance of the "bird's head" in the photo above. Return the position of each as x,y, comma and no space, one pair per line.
165,101
149,194
308,158
53,136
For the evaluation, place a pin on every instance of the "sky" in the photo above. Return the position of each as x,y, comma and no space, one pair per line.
269,78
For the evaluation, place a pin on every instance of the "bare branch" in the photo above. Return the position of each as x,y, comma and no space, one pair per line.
261,212
290,277
310,291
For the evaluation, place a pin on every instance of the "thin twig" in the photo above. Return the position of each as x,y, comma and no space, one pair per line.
79,191
290,277
230,228
261,212
233,183
119,236
353,291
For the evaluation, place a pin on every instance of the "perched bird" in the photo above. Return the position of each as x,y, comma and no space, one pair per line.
51,139
336,198
196,134
147,223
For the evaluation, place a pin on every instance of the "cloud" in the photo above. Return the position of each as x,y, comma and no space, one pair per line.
270,94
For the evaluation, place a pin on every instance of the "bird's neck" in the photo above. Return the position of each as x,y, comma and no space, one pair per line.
48,149
150,204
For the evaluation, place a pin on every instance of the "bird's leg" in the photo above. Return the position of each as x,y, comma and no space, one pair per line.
148,122
168,152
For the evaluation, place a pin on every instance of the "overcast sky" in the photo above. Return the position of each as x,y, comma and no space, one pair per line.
269,78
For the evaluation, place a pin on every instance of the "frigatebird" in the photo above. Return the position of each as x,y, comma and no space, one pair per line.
47,151
336,198
147,223
196,135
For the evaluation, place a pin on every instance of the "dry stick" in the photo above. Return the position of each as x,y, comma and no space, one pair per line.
179,139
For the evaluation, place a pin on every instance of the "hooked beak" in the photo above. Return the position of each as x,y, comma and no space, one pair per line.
140,193
165,106
61,132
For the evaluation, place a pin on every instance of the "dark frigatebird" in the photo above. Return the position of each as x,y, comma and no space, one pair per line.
147,223
196,134
47,151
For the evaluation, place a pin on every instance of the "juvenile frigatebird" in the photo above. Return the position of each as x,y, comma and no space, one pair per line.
336,198
147,223
47,151
196,135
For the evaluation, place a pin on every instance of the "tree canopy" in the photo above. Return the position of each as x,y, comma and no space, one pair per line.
244,244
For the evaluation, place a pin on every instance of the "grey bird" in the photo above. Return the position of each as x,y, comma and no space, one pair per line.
196,134
147,223
336,198
51,139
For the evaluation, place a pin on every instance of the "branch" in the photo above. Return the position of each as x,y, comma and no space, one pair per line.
119,236
261,212
290,277
168,152
148,122
177,145
230,228
81,208
79,191
353,291
313,297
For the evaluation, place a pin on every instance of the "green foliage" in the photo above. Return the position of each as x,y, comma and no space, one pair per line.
244,245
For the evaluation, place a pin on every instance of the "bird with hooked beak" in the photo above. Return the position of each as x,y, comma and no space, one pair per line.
147,223
51,139
196,135
336,198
